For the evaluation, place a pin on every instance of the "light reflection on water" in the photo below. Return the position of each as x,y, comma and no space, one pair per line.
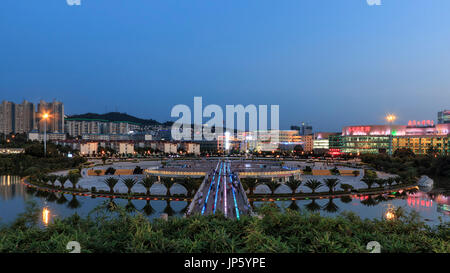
13,196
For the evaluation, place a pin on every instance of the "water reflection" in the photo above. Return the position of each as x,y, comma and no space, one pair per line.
11,186
74,203
13,195
130,207
148,209
45,216
313,206
331,206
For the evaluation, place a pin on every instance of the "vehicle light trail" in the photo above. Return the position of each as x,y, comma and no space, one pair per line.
209,191
217,189
225,191
234,195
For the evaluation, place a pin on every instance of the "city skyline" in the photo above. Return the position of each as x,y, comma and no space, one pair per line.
299,55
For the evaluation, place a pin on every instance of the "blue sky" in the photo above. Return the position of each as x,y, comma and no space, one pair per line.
328,62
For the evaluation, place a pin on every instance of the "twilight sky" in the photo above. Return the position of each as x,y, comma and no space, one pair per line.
328,62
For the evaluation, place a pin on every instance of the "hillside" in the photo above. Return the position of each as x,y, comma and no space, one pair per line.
116,116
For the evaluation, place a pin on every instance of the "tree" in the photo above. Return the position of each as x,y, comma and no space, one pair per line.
293,184
138,170
313,184
307,170
52,178
62,179
313,206
381,182
355,173
129,183
250,184
104,158
74,179
111,183
404,152
98,172
390,181
273,185
110,171
330,207
369,181
147,182
167,182
331,183
346,187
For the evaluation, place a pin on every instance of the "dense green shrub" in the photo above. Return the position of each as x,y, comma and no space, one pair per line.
111,229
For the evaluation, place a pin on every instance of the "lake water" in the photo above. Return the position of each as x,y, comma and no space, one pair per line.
13,196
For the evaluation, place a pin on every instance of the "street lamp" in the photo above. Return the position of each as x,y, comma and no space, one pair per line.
45,116
390,118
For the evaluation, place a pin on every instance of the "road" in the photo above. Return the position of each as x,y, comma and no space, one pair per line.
221,192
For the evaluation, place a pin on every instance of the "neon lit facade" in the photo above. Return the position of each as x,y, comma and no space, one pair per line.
419,136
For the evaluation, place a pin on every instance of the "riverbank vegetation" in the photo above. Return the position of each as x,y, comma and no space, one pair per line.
407,164
109,229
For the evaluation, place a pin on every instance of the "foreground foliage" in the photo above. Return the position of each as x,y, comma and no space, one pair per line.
115,230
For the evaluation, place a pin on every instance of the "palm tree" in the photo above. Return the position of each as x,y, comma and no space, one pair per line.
189,185
52,197
52,178
43,178
369,181
169,210
129,183
250,184
130,207
62,199
330,206
331,183
148,209
74,203
273,185
381,182
62,179
390,181
293,184
398,180
147,183
294,206
313,184
111,183
167,182
313,206
74,179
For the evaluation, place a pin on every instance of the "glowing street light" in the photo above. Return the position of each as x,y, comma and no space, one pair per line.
45,116
391,118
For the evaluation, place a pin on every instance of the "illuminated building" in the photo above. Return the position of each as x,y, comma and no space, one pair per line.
321,141
419,136
88,148
422,144
444,117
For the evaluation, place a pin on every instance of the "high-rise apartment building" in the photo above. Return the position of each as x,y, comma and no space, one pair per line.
24,117
55,109
6,117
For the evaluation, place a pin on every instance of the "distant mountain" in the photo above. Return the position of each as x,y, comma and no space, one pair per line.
116,116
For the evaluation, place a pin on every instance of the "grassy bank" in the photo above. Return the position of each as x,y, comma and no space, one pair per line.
117,231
